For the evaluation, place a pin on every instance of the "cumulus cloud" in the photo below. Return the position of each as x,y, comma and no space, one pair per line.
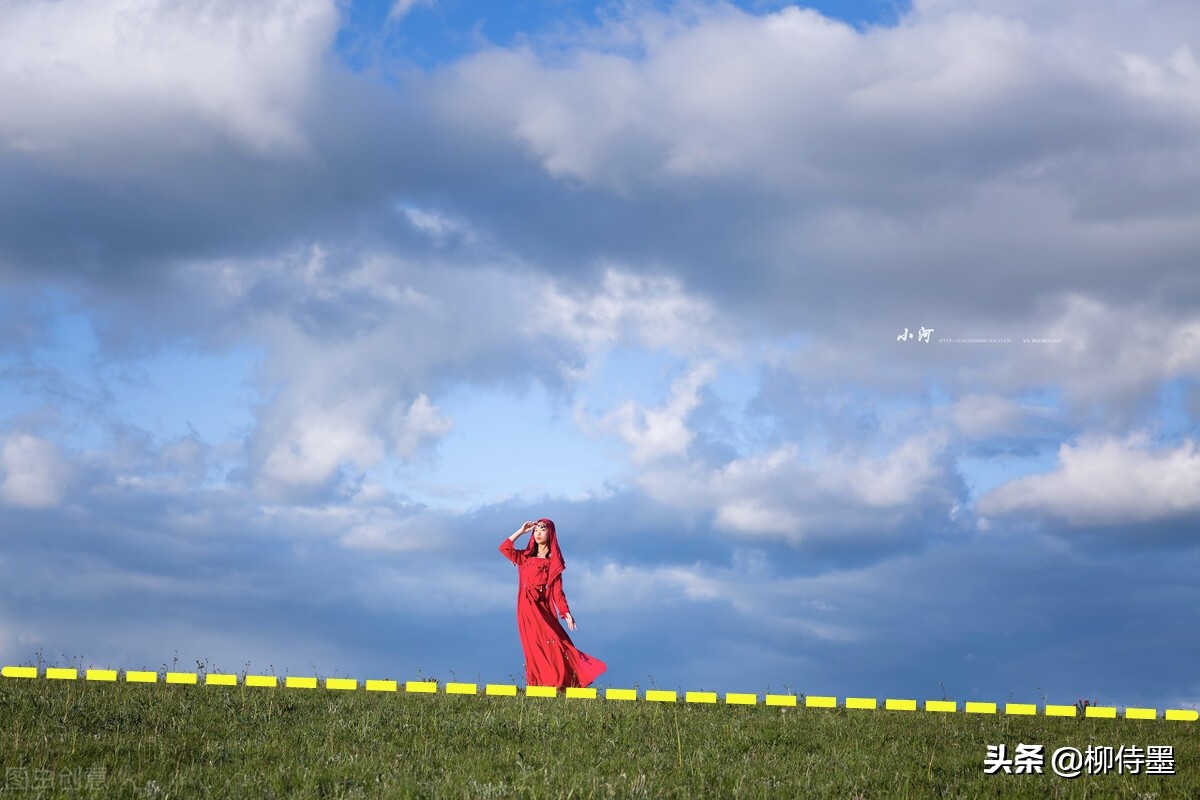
414,427
628,308
801,102
1107,481
127,80
35,474
651,434
981,417
797,496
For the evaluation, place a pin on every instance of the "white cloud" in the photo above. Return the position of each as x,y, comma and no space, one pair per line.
34,471
808,106
979,416
789,494
402,8
126,80
628,308
1107,481
651,434
317,440
894,479
418,425
438,226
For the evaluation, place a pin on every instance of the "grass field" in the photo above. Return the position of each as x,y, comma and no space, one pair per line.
91,739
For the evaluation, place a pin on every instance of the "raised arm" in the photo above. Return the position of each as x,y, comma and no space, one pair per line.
506,547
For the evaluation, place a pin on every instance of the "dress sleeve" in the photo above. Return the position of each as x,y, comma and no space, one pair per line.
560,599
510,552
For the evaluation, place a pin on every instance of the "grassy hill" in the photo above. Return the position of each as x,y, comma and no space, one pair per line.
110,740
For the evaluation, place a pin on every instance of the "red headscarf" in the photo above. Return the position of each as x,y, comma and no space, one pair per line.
557,565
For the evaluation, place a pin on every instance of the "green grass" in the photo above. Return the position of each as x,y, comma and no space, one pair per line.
161,741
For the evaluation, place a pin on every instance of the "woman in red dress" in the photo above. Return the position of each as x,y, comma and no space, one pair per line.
550,657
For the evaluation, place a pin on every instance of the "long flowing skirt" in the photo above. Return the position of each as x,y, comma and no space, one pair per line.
551,659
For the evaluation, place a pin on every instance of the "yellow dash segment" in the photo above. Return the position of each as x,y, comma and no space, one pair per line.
341,684
813,701
460,688
299,682
23,672
661,695
1060,711
219,679
736,699
942,706
781,700
900,705
979,708
1141,713
181,677
1181,715
620,694
1021,709
1102,712
425,687
581,693
501,689
865,703
62,674
101,674
135,676
541,691
700,697
380,686
262,680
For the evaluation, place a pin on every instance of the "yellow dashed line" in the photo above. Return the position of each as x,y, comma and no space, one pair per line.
424,687
651,695
1141,713
19,672
1101,712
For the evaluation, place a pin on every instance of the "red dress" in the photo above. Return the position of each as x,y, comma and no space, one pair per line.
550,657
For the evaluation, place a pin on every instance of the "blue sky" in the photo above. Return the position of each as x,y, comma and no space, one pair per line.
296,325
